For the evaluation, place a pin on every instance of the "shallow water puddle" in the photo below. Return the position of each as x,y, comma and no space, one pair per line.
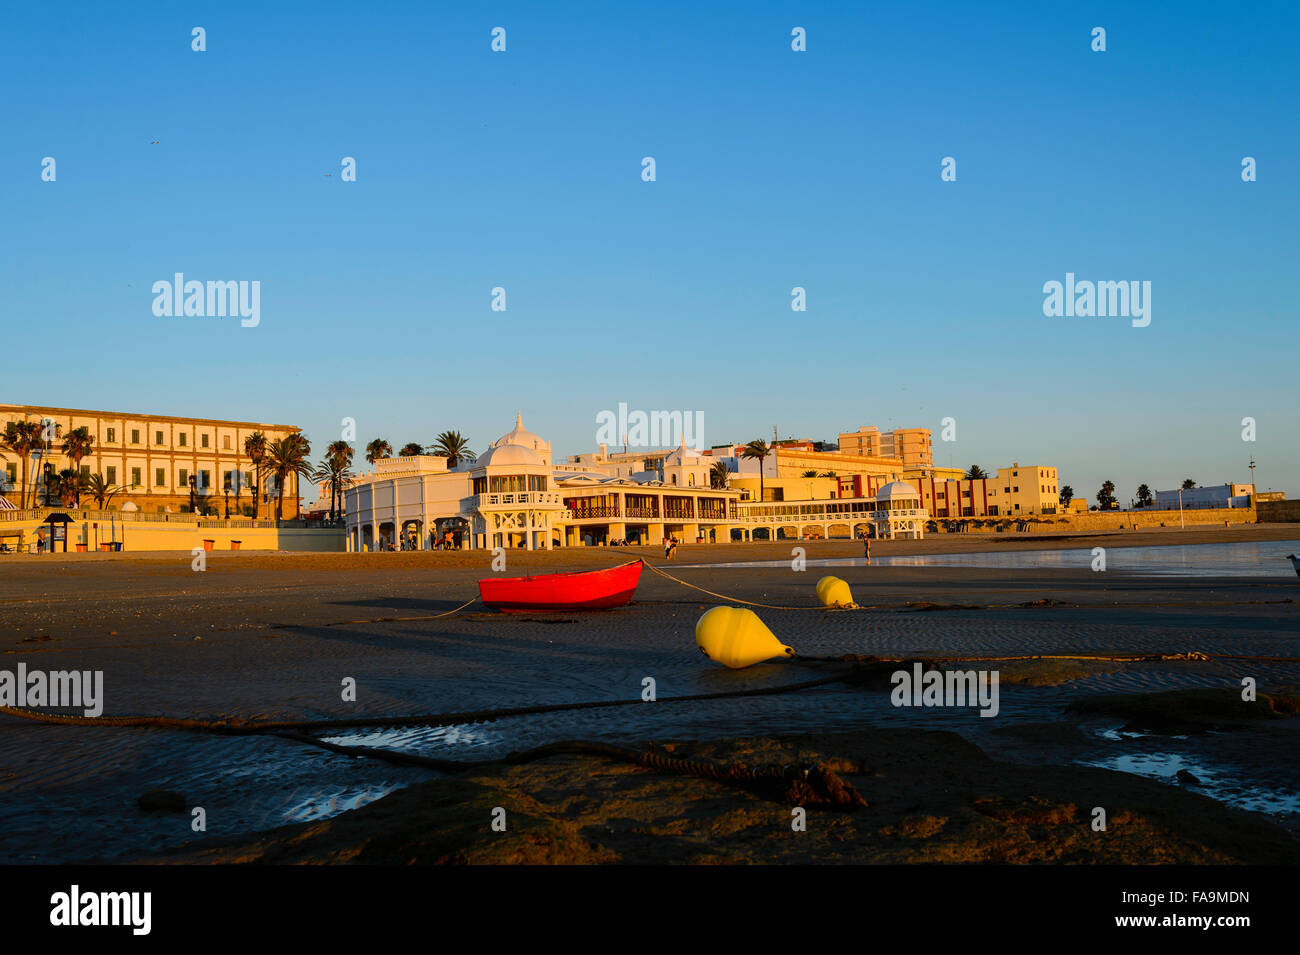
1217,784
326,805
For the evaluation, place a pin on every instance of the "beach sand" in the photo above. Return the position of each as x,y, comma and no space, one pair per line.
272,636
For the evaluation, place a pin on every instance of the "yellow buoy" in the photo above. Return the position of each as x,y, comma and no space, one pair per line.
736,638
834,592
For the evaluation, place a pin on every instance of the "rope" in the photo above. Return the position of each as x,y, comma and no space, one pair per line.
345,623
1191,656
751,603
237,726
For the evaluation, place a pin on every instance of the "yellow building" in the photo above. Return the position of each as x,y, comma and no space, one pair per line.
910,445
1015,492
152,459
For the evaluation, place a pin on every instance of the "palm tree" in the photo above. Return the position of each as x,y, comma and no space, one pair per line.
378,449
759,449
1066,495
255,451
101,492
809,474
975,473
22,438
337,470
719,475
410,450
455,446
1188,484
286,456
1106,496
1144,495
827,474
76,445
66,486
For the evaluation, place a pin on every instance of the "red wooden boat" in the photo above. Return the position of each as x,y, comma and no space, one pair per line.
586,590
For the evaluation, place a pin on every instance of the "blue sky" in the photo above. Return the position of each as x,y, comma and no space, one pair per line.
775,169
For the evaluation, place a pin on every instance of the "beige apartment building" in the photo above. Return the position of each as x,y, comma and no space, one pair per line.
910,445
152,459
1016,491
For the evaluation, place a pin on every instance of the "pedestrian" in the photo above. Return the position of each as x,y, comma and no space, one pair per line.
866,548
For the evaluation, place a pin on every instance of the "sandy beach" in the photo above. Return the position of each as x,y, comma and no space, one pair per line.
273,636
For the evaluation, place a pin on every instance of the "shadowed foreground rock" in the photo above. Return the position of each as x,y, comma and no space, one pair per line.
933,798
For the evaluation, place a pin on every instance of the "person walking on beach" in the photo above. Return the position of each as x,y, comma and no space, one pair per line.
670,548
866,547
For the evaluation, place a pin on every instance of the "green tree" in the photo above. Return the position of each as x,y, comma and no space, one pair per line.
284,457
809,474
1066,495
1188,484
66,486
23,438
719,475
255,451
1144,496
758,449
101,492
1106,496
975,473
76,445
410,450
336,471
454,446
377,450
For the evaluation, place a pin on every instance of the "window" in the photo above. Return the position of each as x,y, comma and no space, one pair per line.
248,479
111,476
182,439
228,480
225,442
135,477
184,477
135,435
85,472
159,477
110,435
12,471
205,479
203,440
1017,488
157,437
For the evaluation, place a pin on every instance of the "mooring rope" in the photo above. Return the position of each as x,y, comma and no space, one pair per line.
345,623
751,603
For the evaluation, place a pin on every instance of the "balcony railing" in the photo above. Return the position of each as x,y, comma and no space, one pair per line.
594,511
514,499
140,517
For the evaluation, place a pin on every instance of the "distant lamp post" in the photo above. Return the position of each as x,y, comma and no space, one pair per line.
1181,524
226,494
193,482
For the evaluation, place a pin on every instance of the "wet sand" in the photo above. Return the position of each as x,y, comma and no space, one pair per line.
263,636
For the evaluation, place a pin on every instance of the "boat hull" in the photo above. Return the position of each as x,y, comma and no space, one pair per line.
587,590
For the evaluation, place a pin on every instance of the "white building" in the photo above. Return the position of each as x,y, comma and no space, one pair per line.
1220,495
514,496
